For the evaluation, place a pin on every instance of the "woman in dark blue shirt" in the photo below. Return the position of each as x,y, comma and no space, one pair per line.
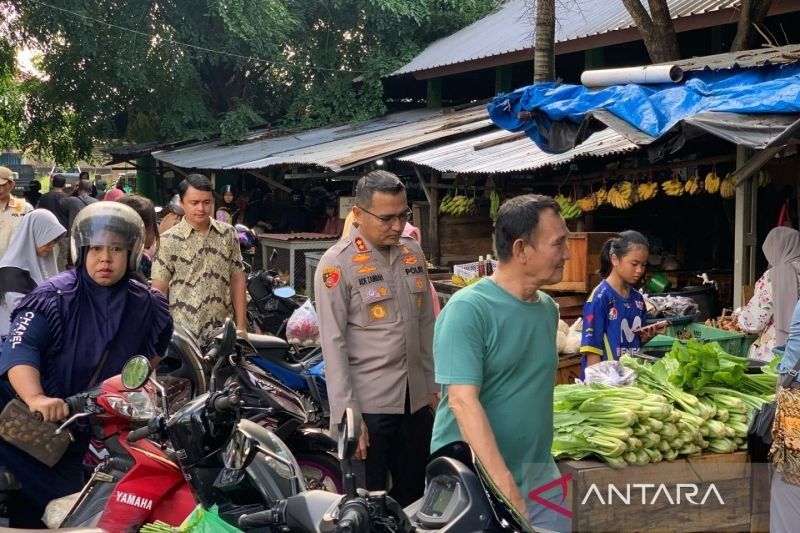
70,333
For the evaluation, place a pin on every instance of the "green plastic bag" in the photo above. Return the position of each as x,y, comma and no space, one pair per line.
199,521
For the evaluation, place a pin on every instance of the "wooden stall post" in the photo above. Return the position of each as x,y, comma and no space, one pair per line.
432,194
744,256
433,222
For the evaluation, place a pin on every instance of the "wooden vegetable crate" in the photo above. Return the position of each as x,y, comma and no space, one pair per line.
593,510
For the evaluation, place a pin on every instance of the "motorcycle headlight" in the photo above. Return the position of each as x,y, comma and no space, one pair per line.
136,405
238,451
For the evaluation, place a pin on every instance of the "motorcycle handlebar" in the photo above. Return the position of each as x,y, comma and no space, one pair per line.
76,403
353,520
226,403
349,524
150,429
139,434
259,519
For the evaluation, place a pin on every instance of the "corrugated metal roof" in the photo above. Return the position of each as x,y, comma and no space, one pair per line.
501,151
336,148
746,59
511,28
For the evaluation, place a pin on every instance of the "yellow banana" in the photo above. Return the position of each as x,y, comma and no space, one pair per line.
727,189
712,183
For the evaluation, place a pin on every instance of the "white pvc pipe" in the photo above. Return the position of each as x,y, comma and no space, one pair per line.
638,75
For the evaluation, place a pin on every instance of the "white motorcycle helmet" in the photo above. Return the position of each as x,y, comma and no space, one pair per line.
96,220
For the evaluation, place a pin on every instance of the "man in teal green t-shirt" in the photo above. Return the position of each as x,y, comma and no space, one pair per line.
495,353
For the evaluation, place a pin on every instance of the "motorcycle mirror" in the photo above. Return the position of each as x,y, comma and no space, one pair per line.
348,435
284,292
228,338
136,372
273,256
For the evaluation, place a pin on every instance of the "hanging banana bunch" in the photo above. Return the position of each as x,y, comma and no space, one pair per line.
693,185
446,204
673,187
647,191
569,210
727,188
588,203
458,205
764,178
712,182
621,195
601,195
494,205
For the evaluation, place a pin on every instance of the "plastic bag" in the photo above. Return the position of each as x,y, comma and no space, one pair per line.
58,509
199,521
670,306
609,373
572,340
302,328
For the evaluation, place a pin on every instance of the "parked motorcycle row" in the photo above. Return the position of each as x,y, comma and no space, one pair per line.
230,447
240,424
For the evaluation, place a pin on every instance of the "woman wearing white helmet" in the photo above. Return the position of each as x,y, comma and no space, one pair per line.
73,331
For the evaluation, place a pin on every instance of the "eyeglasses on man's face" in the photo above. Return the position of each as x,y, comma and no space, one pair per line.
389,219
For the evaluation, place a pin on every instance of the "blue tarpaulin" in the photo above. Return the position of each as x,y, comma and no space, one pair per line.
653,109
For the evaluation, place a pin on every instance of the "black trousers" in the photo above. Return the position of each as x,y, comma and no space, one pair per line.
399,445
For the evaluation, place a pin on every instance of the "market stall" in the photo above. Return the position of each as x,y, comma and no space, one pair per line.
660,424
580,271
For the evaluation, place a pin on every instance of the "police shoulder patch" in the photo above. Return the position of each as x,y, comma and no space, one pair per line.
331,276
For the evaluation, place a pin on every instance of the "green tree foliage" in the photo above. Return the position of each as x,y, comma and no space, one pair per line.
12,98
290,63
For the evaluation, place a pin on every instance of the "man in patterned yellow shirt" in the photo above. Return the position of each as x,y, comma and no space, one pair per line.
199,264
11,209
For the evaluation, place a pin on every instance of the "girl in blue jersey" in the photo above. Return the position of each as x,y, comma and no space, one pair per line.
614,316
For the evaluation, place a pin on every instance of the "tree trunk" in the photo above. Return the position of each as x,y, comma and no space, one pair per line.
544,54
656,29
753,13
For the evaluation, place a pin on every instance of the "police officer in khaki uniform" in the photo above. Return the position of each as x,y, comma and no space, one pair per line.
376,324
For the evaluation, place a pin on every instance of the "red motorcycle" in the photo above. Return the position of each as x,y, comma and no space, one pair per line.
220,458
140,482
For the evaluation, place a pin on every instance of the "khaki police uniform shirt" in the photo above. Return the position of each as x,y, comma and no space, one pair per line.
376,326
10,217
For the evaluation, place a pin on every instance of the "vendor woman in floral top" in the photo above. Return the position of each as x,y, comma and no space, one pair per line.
769,311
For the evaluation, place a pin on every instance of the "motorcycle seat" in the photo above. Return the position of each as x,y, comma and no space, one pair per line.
267,342
295,368
7,481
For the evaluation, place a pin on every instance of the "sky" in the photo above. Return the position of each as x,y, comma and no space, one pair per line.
25,58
